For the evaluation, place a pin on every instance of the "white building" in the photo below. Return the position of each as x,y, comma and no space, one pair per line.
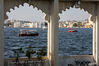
27,24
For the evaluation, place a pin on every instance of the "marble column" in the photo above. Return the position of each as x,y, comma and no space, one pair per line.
94,40
48,40
54,61
97,36
1,33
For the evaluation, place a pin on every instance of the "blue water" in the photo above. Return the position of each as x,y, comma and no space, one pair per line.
75,43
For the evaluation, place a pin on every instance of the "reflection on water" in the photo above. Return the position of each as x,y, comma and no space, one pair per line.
75,43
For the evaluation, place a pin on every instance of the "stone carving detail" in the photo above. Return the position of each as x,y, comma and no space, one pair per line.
65,5
47,18
13,4
8,4
90,7
42,5
21,6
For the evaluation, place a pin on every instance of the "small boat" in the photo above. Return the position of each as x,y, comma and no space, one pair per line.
72,30
44,27
28,33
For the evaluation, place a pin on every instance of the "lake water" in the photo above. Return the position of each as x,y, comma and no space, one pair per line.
74,43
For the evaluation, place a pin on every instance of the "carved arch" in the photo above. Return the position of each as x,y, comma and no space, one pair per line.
90,7
65,5
13,4
28,6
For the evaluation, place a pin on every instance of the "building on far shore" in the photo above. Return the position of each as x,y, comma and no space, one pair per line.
23,24
77,24
27,24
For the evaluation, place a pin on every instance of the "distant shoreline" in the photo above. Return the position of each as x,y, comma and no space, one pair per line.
41,28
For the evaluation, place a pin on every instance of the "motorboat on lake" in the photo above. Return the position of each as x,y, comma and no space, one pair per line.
44,27
72,30
28,33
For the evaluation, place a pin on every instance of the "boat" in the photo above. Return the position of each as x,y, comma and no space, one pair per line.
28,33
72,30
44,27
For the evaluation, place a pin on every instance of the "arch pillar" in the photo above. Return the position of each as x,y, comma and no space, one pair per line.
97,36
1,33
94,40
53,34
48,34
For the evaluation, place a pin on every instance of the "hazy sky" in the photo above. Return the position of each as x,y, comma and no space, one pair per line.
74,14
28,13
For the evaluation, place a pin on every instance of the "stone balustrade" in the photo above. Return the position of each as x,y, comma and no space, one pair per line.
77,60
27,62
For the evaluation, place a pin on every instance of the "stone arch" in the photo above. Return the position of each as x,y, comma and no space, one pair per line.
90,7
12,9
65,5
13,4
15,7
74,13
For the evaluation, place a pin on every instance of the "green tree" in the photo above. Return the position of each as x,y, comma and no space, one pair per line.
29,52
41,52
79,24
75,25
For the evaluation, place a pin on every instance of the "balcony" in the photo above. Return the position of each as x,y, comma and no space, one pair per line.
78,60
27,62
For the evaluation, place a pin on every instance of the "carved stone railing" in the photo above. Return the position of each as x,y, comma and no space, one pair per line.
78,60
27,62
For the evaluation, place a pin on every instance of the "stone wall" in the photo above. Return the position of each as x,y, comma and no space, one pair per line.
80,60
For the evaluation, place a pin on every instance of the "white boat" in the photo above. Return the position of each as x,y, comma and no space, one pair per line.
44,27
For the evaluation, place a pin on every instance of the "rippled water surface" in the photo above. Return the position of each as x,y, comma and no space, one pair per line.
75,43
